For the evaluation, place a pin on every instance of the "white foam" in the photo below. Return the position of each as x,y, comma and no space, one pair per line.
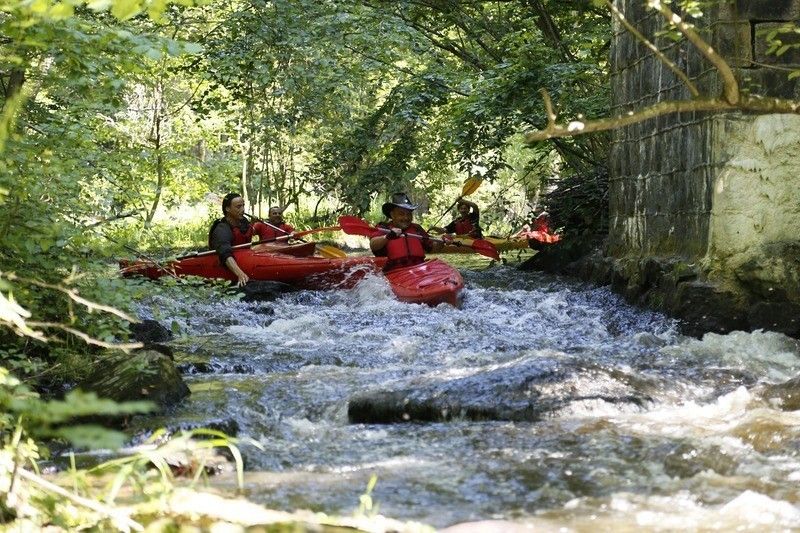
772,355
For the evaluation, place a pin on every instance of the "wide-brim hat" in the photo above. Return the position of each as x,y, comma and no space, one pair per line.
399,199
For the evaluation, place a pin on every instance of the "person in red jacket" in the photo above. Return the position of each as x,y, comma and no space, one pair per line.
276,227
230,230
468,220
399,238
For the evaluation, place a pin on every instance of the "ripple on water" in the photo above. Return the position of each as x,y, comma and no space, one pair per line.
644,429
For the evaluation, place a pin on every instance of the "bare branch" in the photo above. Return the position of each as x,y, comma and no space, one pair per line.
730,85
659,54
72,294
548,106
87,338
748,104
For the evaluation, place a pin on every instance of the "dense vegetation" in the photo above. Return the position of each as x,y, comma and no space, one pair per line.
119,115
115,119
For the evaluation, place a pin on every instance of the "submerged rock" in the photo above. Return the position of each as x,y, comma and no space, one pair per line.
526,390
265,291
786,394
141,375
150,331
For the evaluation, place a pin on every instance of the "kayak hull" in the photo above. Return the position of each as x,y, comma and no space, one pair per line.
299,249
260,265
432,282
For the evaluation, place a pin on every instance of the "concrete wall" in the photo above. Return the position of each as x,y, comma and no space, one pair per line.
719,191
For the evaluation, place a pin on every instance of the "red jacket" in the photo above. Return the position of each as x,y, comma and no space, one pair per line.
467,225
222,236
266,233
404,251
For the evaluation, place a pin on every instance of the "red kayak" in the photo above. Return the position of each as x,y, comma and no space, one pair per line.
298,249
432,282
263,265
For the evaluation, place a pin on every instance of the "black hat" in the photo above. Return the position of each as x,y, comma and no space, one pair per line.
399,199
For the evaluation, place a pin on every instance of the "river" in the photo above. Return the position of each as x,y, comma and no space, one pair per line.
543,402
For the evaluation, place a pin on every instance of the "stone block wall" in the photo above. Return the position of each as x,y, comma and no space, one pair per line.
720,192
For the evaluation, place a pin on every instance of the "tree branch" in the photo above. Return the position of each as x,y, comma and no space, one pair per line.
748,104
72,294
730,85
659,54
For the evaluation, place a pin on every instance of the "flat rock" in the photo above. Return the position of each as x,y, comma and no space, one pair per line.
141,375
523,390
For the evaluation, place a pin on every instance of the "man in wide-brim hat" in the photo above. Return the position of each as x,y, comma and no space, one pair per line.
399,238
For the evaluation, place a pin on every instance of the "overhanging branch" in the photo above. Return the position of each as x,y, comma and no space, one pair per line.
747,105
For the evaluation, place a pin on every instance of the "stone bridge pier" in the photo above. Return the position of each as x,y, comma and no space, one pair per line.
705,207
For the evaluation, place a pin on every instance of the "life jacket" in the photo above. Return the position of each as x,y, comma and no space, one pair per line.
403,251
242,234
464,226
542,225
267,233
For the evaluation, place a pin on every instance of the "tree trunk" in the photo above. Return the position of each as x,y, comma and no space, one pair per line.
158,117
15,81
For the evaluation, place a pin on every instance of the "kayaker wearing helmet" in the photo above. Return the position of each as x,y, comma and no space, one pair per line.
468,221
405,243
277,226
232,229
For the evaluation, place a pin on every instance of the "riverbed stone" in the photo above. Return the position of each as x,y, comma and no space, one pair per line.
526,390
782,317
150,331
704,307
140,375
265,291
786,395
774,273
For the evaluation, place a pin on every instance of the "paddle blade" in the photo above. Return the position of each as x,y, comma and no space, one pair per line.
471,185
355,226
331,252
486,248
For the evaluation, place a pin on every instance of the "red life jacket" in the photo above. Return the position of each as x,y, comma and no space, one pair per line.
242,237
242,234
404,251
464,226
542,225
266,233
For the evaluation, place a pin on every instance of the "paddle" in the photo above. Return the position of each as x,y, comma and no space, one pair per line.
249,244
470,186
355,226
324,249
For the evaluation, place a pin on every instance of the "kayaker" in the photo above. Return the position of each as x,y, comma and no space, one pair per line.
277,226
405,243
232,229
541,224
468,220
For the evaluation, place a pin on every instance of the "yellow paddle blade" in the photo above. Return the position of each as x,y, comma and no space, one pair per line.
471,185
331,252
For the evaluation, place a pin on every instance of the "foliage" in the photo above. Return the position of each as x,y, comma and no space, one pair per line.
28,501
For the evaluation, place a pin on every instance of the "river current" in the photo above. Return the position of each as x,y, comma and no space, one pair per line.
542,403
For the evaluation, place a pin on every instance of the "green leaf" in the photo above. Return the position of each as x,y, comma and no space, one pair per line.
61,10
91,436
125,9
